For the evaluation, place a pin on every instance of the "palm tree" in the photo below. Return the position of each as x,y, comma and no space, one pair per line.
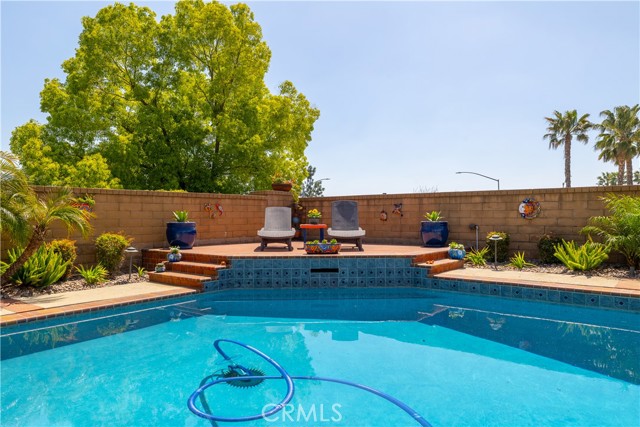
607,178
561,130
619,139
26,218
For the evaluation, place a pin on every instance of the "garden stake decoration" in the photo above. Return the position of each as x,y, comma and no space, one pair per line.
397,209
383,215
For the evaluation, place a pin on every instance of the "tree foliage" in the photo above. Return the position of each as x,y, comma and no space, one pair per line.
311,187
175,103
619,139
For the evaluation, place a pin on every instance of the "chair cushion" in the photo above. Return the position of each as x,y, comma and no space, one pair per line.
276,234
346,233
344,215
277,218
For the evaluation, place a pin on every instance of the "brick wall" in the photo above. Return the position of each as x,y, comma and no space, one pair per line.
143,214
564,212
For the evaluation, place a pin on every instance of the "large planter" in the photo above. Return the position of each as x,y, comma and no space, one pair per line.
322,248
281,186
181,234
434,233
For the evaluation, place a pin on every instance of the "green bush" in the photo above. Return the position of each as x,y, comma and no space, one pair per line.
44,268
503,246
110,250
620,230
477,257
93,275
546,248
582,258
67,250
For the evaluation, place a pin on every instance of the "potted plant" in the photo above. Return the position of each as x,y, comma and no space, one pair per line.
314,216
434,230
181,233
280,183
324,247
174,254
456,251
160,267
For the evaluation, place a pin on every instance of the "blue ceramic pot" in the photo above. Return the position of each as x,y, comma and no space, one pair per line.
181,234
174,257
434,233
457,253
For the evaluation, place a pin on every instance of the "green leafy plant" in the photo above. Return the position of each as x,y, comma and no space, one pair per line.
519,262
581,258
333,241
546,248
454,245
67,249
93,275
174,249
110,250
477,257
141,271
433,216
620,230
503,245
87,199
181,216
44,268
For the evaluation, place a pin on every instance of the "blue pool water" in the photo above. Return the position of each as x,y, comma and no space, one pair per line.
457,359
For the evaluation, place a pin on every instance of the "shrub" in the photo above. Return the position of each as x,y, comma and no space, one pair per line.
503,246
478,257
546,248
44,268
110,250
433,216
93,275
181,216
621,230
141,271
582,258
67,250
519,262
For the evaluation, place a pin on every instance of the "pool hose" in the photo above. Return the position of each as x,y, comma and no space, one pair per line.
248,376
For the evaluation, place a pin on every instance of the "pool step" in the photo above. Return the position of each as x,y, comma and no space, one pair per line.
180,279
440,265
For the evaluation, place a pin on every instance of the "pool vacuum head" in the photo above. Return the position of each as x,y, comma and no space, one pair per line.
240,371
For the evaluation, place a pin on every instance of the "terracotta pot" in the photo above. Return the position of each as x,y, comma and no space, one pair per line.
281,186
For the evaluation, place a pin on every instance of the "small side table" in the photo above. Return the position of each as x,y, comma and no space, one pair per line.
305,227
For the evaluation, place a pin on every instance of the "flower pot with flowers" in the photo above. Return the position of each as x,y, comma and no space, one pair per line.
324,247
314,216
456,250
280,183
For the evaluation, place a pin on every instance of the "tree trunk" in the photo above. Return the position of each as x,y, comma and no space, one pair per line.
620,171
567,161
34,243
629,171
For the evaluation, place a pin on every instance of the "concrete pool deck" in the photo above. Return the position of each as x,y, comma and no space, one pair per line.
19,310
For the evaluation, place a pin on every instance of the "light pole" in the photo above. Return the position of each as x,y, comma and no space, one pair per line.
130,250
484,176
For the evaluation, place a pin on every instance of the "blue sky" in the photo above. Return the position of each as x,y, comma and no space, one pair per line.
409,92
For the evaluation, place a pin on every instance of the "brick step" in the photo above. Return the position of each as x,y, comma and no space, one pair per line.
179,279
153,256
198,268
432,256
441,265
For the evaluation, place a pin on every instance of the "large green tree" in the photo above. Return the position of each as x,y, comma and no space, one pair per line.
619,139
175,103
561,129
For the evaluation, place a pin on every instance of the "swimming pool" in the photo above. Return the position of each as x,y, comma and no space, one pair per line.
455,358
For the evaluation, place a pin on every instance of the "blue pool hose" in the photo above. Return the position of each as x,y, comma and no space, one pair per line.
290,389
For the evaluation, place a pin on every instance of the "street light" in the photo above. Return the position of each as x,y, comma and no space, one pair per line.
484,176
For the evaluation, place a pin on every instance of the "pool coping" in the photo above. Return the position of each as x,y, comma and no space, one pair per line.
19,311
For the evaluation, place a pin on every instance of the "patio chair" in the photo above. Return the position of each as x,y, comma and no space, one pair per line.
344,223
277,227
